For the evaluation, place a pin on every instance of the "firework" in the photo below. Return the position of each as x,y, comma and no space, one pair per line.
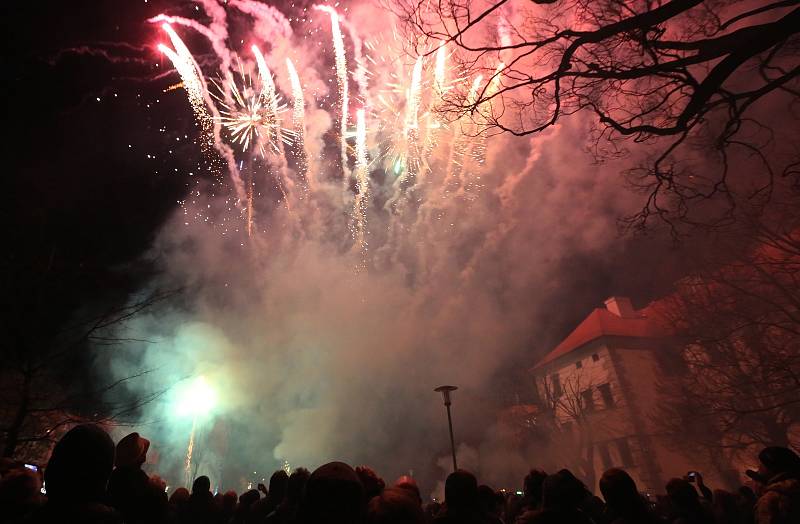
189,452
298,124
398,128
188,70
298,112
250,115
362,180
341,76
440,73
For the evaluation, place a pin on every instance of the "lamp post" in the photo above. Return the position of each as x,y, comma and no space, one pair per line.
445,391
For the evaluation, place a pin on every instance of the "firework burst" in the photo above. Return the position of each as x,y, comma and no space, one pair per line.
251,115
401,153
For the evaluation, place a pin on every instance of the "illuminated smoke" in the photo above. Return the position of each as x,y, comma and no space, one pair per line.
358,288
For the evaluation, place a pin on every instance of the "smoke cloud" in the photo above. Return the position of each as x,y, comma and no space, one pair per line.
318,351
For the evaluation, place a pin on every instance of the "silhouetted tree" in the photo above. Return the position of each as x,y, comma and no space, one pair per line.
45,385
690,77
738,317
570,428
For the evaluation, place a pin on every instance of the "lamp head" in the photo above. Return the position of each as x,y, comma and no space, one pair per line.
445,391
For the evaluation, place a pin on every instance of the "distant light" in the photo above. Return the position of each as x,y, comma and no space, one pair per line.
195,398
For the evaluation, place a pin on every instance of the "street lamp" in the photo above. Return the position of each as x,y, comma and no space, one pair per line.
445,391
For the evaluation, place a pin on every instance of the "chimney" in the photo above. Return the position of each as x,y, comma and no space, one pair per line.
621,306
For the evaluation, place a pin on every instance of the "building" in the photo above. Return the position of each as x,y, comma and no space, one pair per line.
600,387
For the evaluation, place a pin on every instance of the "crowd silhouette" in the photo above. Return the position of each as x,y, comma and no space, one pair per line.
89,480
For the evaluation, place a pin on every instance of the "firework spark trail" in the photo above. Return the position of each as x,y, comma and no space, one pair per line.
477,151
190,81
250,204
298,124
409,176
440,72
268,91
187,22
277,136
405,153
362,180
189,451
435,121
412,115
360,74
251,118
412,132
216,136
460,144
436,124
341,75
298,107
504,35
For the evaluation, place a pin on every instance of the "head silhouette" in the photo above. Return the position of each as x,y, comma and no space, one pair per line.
620,493
682,494
80,465
278,483
334,494
201,485
776,460
562,491
394,506
461,490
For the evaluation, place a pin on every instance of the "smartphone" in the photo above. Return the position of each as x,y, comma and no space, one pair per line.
32,467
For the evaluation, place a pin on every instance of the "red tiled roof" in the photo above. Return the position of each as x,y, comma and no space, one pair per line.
602,322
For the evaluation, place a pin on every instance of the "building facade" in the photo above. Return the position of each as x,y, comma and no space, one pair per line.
600,389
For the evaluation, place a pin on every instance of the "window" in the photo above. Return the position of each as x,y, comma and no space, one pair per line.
625,454
556,385
595,357
578,364
588,400
605,456
605,392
